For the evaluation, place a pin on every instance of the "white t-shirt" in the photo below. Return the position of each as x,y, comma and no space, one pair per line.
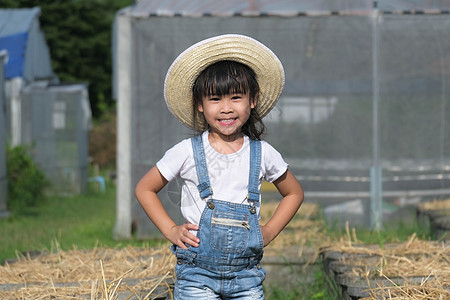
228,173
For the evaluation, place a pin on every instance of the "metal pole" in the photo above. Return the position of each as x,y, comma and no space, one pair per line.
375,178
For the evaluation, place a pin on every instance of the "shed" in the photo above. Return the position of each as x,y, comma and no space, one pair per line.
22,37
58,123
29,59
52,118
3,175
364,112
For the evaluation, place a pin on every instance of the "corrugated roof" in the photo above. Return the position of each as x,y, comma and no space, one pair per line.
412,5
13,21
146,8
22,37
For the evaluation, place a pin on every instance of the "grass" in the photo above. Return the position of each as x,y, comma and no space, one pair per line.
82,220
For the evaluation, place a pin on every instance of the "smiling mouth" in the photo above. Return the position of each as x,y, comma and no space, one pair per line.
227,121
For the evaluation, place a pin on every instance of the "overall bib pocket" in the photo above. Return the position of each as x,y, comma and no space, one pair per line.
229,231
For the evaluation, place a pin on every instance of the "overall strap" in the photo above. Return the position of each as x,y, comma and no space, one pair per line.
204,187
255,166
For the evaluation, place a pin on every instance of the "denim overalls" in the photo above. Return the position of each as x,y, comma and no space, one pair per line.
227,261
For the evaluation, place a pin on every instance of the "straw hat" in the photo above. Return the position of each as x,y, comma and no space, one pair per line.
188,65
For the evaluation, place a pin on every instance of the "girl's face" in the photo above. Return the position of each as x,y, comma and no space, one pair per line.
226,114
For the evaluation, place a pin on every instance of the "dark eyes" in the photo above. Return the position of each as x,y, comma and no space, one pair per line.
218,98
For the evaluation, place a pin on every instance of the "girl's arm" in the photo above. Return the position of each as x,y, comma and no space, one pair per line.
146,192
292,193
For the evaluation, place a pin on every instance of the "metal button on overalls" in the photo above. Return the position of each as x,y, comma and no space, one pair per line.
210,205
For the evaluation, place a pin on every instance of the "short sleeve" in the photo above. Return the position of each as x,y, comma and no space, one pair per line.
273,163
173,160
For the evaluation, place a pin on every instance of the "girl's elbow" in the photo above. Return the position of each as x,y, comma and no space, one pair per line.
140,190
301,196
137,189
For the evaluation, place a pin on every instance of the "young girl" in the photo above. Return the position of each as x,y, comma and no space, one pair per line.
221,87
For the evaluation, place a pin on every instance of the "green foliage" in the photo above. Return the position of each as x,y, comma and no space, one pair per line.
323,287
79,35
26,183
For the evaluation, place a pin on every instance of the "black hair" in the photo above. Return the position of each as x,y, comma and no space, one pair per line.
224,78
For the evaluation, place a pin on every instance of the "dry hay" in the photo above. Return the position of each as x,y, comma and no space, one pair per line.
306,211
101,273
428,289
305,227
435,216
427,260
435,205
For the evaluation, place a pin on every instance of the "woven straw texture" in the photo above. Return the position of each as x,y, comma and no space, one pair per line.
189,64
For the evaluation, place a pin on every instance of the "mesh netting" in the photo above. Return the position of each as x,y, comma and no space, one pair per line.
324,122
55,122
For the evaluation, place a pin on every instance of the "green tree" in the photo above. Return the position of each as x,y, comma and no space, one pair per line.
79,33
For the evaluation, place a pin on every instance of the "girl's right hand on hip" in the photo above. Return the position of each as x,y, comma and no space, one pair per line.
181,235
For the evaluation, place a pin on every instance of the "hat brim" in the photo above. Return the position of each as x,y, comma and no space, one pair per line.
189,64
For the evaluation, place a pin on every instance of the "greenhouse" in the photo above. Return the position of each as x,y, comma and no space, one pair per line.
57,120
50,119
364,118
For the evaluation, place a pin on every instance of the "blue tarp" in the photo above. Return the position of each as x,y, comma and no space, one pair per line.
15,45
